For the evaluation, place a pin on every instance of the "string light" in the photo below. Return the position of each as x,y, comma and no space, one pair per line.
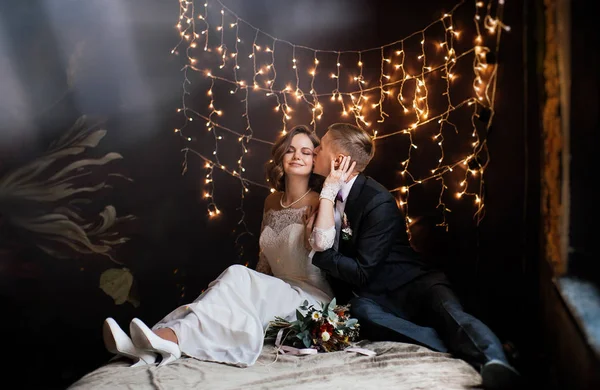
404,77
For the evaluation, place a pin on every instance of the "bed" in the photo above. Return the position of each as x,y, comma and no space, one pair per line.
395,366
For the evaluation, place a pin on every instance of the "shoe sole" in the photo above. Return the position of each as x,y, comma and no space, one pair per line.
499,376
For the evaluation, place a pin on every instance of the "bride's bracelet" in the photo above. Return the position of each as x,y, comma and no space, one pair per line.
329,192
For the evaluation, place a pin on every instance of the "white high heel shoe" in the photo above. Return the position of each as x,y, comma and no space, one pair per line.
116,341
144,338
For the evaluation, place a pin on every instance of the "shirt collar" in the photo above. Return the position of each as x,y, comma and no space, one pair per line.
346,187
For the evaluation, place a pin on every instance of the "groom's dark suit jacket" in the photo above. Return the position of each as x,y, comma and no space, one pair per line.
377,258
374,261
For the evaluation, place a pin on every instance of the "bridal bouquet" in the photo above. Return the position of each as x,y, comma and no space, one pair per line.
327,329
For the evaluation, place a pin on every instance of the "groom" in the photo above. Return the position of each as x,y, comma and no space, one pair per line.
393,294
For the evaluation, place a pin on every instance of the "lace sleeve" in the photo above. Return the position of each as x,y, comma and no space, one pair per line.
263,264
322,239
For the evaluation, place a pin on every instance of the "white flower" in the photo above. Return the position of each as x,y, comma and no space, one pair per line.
325,336
316,315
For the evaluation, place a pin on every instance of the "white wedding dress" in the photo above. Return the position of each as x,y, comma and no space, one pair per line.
226,323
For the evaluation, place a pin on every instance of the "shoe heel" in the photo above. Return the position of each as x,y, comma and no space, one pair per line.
166,359
144,338
150,359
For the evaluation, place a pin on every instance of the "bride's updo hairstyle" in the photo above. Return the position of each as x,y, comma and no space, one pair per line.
274,168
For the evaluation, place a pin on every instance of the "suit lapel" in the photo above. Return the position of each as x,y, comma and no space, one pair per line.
356,189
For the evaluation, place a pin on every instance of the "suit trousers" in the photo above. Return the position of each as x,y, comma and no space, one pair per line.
429,313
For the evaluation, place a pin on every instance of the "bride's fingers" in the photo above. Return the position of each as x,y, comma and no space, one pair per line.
332,164
351,169
343,164
348,168
346,164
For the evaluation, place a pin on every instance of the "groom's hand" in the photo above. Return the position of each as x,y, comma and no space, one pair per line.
308,218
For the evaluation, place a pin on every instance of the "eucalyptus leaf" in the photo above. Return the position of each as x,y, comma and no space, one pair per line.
331,315
307,340
351,322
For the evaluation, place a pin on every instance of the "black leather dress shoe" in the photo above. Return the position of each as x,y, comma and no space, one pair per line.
498,375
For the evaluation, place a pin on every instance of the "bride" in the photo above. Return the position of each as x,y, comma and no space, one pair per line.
226,323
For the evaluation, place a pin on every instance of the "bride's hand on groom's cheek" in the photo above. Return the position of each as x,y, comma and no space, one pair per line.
308,218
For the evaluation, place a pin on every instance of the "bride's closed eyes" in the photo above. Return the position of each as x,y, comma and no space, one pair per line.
305,151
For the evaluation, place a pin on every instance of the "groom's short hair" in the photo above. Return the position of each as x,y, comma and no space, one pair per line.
354,141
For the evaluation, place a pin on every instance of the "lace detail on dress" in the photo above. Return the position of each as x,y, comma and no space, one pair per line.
282,245
263,265
322,239
280,219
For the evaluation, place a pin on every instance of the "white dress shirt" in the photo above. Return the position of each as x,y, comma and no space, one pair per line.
340,206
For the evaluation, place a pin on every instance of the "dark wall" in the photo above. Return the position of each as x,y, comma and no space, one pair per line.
584,123
111,61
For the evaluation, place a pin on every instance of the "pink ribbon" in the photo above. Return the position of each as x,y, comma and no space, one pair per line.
283,349
362,351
